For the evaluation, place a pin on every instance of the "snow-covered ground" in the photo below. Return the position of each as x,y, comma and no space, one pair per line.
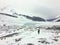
28,35
22,31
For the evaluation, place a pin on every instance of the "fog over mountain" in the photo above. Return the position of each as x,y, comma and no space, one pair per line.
34,18
45,11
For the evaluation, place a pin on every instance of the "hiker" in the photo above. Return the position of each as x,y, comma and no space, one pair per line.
38,30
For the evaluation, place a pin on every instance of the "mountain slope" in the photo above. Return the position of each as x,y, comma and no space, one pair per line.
34,18
56,19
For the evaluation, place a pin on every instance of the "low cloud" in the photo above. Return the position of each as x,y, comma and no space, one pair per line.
47,12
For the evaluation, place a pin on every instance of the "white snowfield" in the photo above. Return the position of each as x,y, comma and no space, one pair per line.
22,31
28,35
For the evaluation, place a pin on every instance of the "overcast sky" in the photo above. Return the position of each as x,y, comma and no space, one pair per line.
42,8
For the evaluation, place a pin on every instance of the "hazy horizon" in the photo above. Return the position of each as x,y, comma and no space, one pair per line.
42,8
